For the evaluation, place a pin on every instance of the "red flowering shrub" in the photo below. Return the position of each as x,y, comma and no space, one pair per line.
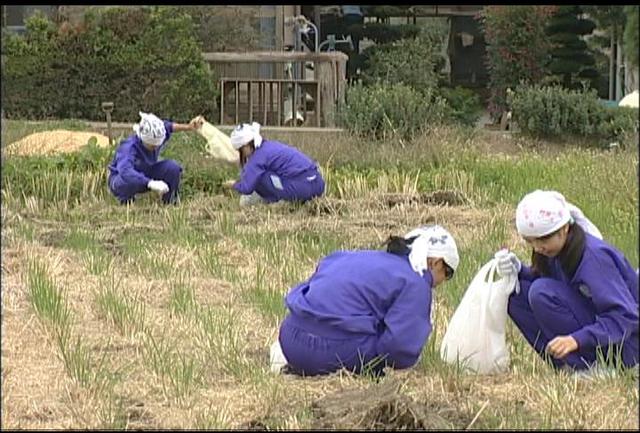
517,48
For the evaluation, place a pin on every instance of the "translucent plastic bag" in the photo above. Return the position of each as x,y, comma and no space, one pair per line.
218,143
475,335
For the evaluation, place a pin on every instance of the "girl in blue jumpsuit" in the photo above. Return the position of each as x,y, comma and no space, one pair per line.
273,170
579,300
362,310
136,168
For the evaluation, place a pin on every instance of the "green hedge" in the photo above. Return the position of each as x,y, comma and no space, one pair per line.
553,111
415,62
391,110
401,91
382,33
145,58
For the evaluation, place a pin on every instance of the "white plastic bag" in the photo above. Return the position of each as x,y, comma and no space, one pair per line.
475,336
277,359
218,143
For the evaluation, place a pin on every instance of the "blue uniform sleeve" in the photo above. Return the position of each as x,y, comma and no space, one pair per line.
616,309
168,127
251,173
129,174
407,327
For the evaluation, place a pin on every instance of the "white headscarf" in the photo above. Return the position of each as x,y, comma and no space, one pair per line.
432,241
150,129
540,213
245,133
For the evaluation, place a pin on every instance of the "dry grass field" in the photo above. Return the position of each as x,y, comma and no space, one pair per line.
152,317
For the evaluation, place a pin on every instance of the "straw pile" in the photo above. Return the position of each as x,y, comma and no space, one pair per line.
57,141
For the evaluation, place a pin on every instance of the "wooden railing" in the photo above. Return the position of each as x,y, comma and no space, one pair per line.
265,77
272,95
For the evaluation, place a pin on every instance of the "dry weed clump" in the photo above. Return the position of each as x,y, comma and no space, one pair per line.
53,142
383,407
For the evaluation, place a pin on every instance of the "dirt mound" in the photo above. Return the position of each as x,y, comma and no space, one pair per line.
442,197
56,141
382,407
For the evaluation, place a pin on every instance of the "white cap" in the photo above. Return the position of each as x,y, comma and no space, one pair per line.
432,241
151,129
540,213
244,134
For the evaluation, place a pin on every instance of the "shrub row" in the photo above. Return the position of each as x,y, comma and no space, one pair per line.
553,111
145,58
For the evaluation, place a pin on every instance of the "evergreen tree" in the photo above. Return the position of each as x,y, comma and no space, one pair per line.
570,58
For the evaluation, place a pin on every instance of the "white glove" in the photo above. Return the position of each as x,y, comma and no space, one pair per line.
251,199
158,186
508,263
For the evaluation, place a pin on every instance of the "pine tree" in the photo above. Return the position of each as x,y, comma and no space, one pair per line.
570,58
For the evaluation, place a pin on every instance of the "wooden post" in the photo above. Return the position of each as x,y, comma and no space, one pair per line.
260,83
317,103
221,102
264,102
250,97
325,91
237,97
341,79
280,104
304,103
294,104
330,82
271,100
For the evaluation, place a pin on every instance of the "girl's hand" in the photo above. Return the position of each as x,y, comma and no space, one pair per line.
196,122
561,346
228,184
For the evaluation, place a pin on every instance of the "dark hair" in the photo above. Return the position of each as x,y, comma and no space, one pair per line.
399,245
570,255
243,157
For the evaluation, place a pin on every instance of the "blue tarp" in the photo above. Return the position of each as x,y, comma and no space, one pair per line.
609,102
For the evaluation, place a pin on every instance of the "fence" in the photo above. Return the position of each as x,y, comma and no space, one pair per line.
280,88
